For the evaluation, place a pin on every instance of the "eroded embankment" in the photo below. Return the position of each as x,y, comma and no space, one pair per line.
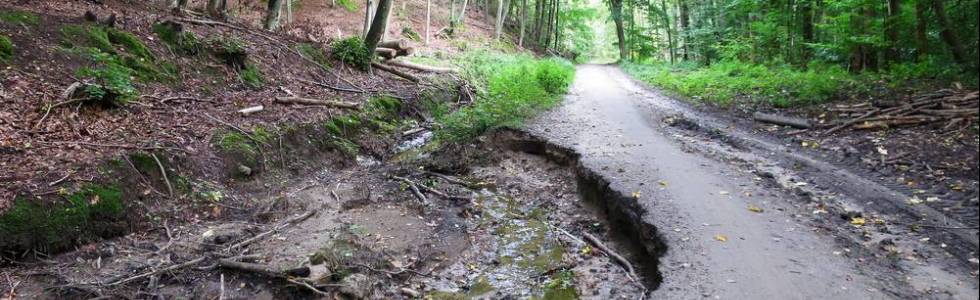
622,213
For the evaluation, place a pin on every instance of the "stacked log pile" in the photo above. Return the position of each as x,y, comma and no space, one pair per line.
953,110
389,51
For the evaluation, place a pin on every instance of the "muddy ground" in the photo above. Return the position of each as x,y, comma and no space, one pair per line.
508,221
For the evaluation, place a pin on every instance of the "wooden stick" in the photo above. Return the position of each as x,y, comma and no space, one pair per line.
612,254
424,68
397,72
310,101
415,189
285,224
321,84
159,271
163,172
852,121
781,120
251,110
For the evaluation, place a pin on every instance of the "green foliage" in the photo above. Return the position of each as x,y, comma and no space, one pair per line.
410,34
725,81
314,53
81,36
238,145
251,76
6,48
231,50
89,213
352,51
110,78
19,17
510,89
131,43
182,42
349,5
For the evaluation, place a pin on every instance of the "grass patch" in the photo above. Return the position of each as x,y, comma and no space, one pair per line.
19,17
410,34
110,79
379,115
510,89
6,48
179,41
314,53
349,5
251,76
89,213
352,51
781,85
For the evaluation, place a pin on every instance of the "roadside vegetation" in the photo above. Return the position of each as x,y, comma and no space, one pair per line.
509,88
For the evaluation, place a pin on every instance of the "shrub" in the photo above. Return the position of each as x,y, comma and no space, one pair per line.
111,79
510,89
90,213
349,5
352,51
19,17
6,48
179,41
251,76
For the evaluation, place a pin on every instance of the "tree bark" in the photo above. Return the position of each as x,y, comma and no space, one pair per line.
500,23
428,19
523,16
891,31
806,10
921,43
670,37
377,25
685,22
368,16
272,14
617,15
462,13
948,34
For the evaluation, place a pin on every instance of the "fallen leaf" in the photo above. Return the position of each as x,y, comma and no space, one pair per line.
755,209
586,250
721,238
857,221
723,193
662,183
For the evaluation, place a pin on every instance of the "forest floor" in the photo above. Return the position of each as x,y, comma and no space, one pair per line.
619,193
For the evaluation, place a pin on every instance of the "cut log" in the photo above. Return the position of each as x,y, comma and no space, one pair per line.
386,53
309,101
251,110
397,72
424,68
781,120
394,44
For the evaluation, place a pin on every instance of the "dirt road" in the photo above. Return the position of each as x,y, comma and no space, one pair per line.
730,230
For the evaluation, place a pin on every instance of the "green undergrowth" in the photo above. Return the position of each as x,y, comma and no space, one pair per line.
510,88
6,48
314,53
245,149
781,85
86,215
352,51
19,17
251,76
380,115
181,42
115,58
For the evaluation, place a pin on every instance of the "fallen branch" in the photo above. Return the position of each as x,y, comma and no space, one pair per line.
251,110
310,101
321,84
419,67
282,225
386,53
852,121
612,254
781,120
414,188
397,72
159,271
163,172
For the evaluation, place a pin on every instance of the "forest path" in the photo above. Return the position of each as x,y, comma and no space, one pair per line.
716,246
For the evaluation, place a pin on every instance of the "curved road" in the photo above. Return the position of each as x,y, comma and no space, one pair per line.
717,246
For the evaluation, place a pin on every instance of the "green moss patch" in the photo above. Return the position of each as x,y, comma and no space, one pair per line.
251,76
314,53
19,17
93,212
6,48
180,41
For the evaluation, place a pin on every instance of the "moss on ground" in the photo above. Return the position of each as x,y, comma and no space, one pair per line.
6,48
25,18
179,41
251,76
90,213
314,53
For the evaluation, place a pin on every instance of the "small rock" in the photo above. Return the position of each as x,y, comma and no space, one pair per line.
244,170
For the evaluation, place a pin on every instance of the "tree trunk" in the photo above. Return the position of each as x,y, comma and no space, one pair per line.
948,34
216,9
428,19
921,44
272,14
891,31
461,19
617,15
500,23
368,16
685,22
384,34
670,37
377,25
523,16
806,10
557,19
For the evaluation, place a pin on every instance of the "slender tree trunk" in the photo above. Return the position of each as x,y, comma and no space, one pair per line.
461,19
500,21
523,16
921,43
216,8
617,15
428,19
557,23
377,25
368,16
384,34
948,34
685,22
891,31
272,14
670,37
806,12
